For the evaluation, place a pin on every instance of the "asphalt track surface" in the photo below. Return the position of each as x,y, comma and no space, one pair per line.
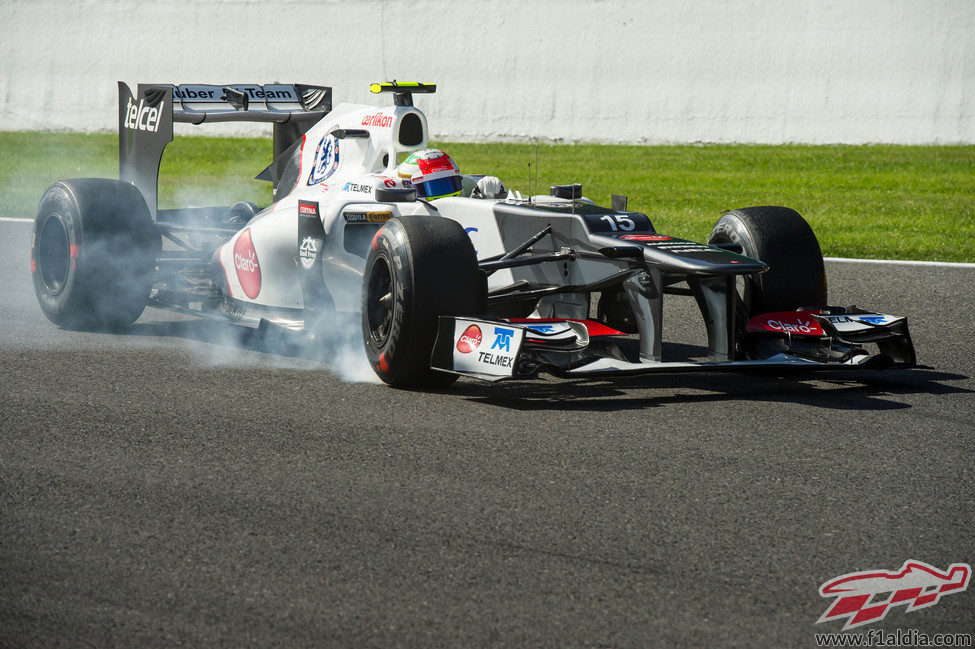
165,488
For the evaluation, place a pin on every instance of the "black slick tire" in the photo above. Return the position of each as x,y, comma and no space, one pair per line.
418,269
93,254
781,238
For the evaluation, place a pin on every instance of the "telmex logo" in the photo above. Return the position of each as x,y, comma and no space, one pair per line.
142,118
873,319
502,340
916,585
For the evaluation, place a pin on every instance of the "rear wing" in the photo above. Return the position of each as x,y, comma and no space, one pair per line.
146,120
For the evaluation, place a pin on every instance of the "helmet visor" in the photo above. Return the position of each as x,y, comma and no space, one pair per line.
439,188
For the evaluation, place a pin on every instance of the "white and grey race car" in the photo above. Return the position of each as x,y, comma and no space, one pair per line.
493,287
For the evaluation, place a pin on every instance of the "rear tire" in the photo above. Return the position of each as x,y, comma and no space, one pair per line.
93,253
781,238
418,269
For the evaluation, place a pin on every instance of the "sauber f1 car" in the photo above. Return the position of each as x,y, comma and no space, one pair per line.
492,287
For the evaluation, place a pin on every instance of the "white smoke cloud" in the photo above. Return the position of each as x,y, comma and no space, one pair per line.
336,344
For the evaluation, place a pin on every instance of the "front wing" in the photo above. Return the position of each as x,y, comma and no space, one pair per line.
495,350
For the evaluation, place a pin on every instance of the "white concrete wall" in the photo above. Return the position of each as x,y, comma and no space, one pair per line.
615,70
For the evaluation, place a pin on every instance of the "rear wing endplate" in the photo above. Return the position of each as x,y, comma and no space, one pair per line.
146,120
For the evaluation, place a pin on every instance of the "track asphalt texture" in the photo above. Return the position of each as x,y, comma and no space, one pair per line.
160,488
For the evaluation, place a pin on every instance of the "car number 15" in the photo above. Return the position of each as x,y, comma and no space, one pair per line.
618,222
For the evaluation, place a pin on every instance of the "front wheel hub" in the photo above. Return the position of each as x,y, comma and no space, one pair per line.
53,253
379,302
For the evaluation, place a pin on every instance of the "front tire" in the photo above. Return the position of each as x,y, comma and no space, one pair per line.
93,253
781,238
418,269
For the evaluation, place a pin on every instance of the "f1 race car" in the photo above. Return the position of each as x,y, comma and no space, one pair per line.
492,287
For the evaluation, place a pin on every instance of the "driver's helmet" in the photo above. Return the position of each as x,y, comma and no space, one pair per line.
433,174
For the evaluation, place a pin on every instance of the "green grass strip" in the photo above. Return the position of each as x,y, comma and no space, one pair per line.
878,201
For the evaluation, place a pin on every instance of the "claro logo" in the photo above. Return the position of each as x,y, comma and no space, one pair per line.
799,326
247,265
142,117
469,340
799,323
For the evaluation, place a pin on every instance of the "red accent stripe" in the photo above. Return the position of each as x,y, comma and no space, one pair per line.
925,599
869,613
645,237
846,605
904,595
947,588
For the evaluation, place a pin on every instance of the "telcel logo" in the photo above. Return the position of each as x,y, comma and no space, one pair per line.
142,117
